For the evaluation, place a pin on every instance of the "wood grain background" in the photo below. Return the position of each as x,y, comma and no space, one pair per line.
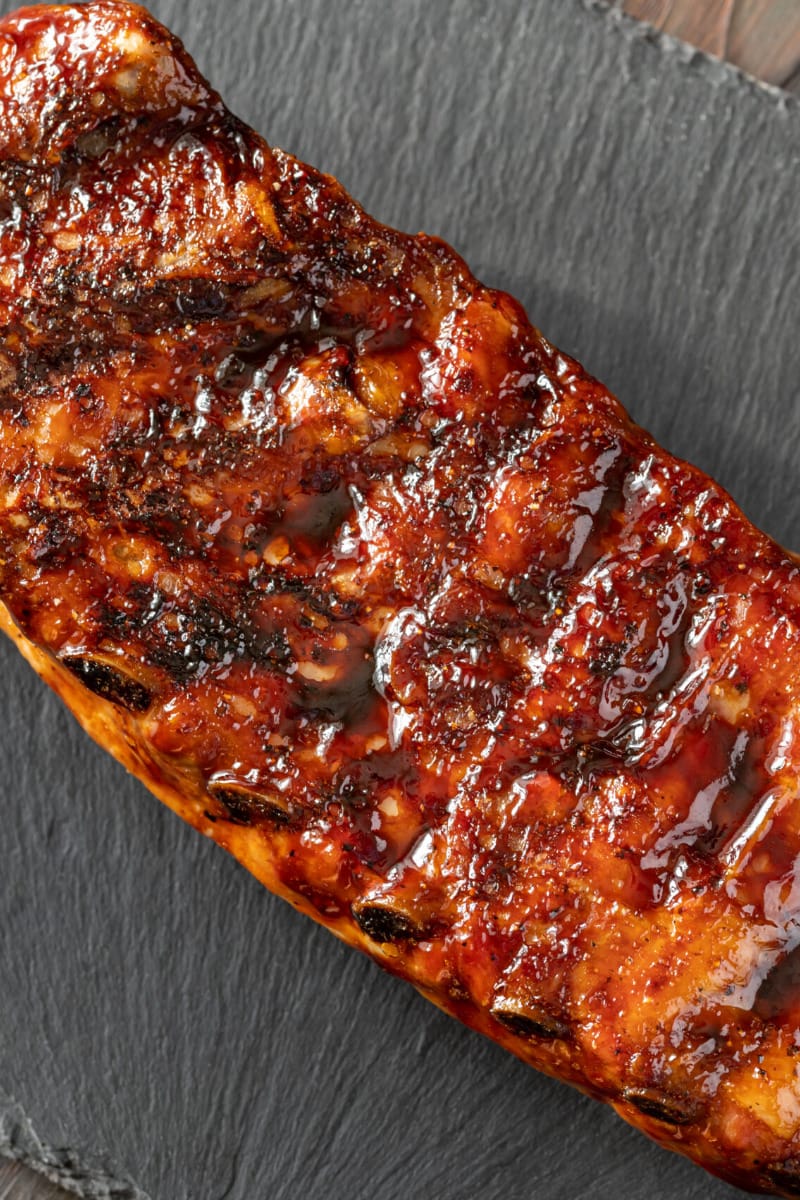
18,1183
760,36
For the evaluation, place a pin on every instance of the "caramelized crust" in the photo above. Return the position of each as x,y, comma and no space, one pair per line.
383,593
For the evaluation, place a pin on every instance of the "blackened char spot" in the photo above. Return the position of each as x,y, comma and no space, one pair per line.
530,1020
383,924
161,511
607,658
109,683
18,183
671,1108
785,1176
169,303
57,537
244,806
204,633
325,601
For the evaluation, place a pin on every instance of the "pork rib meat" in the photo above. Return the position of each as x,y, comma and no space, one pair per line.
373,586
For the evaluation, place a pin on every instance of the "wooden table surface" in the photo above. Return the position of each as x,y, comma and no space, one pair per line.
18,1183
760,36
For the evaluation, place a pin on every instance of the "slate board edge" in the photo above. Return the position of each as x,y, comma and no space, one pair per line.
718,71
88,1174
83,1174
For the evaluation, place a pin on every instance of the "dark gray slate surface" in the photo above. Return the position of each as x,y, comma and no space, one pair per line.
163,1017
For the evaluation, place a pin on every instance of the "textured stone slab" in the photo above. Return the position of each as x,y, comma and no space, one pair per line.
166,1021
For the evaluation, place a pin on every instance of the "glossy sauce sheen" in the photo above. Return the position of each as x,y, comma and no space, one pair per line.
383,593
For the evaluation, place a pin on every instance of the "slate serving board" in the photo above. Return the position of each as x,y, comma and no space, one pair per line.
170,1031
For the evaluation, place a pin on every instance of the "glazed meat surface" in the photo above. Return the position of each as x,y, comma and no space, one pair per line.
386,595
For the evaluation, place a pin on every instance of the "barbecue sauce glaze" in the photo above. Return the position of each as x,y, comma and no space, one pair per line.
384,594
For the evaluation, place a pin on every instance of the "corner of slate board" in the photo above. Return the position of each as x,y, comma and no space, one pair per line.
165,1020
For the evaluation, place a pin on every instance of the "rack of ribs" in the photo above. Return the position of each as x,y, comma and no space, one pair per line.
379,590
